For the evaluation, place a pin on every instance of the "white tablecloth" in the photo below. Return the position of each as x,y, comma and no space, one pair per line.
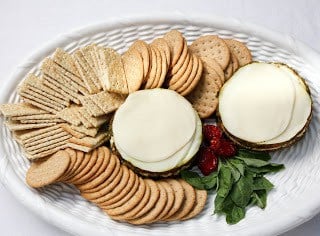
26,25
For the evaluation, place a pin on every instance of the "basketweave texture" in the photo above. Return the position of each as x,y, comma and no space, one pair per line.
289,204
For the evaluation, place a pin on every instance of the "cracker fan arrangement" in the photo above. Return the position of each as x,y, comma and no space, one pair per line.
131,133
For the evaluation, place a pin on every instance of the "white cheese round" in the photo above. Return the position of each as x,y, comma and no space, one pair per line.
256,104
152,125
301,109
178,159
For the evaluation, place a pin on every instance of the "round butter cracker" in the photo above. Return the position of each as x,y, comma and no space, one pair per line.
48,171
212,46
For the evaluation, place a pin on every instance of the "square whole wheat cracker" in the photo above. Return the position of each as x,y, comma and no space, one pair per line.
20,109
36,85
28,90
72,95
39,105
94,121
73,132
90,141
69,114
39,101
18,126
54,70
92,132
79,147
41,121
91,107
112,78
82,114
41,136
65,60
46,139
45,153
49,67
50,144
88,76
89,54
36,133
107,101
35,117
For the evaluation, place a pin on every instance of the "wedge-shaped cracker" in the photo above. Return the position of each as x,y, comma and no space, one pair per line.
18,126
20,109
112,78
69,114
107,101
92,132
88,76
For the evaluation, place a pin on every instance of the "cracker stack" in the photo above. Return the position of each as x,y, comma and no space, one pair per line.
117,190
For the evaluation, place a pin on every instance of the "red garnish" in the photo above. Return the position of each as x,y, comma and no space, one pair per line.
215,144
211,132
207,161
226,149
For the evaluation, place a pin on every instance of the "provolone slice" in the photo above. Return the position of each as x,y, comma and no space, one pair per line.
152,125
256,103
301,110
178,159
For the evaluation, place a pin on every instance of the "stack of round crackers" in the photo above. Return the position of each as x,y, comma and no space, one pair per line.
117,190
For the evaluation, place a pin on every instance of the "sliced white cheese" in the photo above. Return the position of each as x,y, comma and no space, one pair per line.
301,110
178,159
152,125
256,104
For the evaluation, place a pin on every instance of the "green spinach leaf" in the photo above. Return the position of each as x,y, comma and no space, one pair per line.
242,190
261,183
235,215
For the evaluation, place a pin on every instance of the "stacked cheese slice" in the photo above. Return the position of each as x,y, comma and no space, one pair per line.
157,131
265,106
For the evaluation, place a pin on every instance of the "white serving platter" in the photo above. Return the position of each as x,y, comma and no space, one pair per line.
295,198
